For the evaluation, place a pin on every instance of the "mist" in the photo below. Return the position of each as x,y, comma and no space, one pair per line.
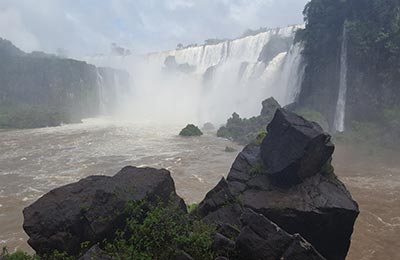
207,83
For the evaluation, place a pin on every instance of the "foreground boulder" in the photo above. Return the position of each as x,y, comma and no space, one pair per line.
261,239
294,148
93,208
316,205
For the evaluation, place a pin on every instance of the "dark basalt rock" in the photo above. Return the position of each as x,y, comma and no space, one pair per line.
220,206
261,239
269,107
93,208
317,205
294,148
222,244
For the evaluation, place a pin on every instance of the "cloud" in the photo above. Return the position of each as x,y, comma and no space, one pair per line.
12,27
90,26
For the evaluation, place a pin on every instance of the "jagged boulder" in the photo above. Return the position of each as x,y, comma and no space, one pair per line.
93,208
294,148
269,107
261,239
317,205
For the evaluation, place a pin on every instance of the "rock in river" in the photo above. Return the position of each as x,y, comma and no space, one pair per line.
313,202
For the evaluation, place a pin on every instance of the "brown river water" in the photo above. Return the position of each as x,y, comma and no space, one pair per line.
32,162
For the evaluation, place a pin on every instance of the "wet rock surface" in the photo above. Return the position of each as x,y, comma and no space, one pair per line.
260,239
316,205
294,148
93,208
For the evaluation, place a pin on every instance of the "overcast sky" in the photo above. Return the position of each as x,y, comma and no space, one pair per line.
87,27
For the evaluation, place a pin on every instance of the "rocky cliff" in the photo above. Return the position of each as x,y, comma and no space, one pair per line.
38,89
355,44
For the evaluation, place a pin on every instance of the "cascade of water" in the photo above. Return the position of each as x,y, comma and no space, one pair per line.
292,74
237,80
341,101
101,91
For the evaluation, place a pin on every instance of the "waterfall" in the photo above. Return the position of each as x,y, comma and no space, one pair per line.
292,74
341,101
101,92
238,78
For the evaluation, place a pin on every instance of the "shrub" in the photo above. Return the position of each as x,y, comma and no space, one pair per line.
191,130
260,137
159,232
192,208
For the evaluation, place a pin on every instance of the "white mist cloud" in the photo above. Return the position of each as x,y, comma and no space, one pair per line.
12,27
90,26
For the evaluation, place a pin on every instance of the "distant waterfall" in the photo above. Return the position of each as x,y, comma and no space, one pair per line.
101,92
341,102
292,74
207,83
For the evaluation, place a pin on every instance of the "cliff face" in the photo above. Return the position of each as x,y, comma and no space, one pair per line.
50,90
371,32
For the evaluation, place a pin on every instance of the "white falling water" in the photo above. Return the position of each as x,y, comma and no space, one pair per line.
292,74
341,102
240,81
101,92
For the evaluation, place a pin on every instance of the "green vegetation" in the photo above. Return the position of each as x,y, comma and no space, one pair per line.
159,233
260,137
191,130
373,55
150,232
192,208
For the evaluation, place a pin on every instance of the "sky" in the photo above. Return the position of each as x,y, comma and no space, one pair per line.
89,27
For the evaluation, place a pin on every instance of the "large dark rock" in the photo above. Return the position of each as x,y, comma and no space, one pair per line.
317,206
93,208
294,148
261,239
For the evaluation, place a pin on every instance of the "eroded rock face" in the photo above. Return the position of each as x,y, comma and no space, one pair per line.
93,208
261,239
317,205
294,148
